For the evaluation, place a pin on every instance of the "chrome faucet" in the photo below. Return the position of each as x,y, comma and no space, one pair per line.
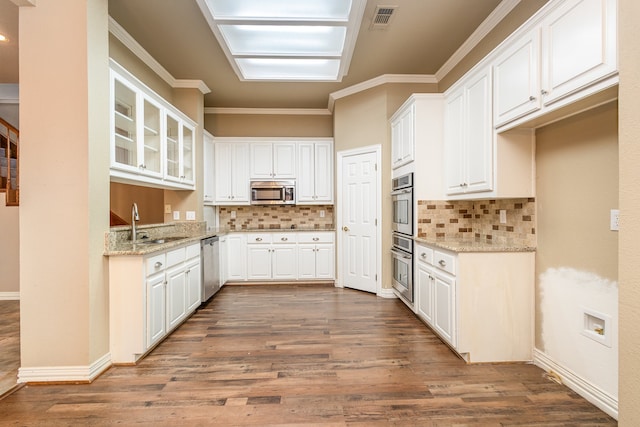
134,217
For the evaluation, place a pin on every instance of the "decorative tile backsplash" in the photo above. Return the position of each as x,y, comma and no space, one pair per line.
478,219
275,217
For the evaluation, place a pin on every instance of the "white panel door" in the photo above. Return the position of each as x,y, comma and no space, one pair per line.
258,262
240,173
444,313
454,135
156,309
261,160
284,262
284,160
359,200
176,296
194,284
425,284
479,137
223,153
325,261
323,176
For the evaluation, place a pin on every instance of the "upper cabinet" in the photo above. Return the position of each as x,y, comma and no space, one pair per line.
315,173
152,143
208,169
273,160
231,160
403,136
568,54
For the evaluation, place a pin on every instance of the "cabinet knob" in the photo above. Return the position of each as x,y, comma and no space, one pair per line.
258,239
284,239
423,255
158,264
315,239
532,98
345,228
442,263
543,92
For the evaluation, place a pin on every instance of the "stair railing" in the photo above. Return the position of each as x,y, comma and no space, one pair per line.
9,163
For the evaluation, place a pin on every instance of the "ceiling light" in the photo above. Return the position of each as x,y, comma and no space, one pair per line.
286,40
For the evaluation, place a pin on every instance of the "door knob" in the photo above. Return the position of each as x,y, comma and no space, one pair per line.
345,228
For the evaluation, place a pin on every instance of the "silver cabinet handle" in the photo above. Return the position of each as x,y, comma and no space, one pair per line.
158,264
258,239
442,262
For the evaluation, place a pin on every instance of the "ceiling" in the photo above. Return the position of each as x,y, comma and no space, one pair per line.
422,36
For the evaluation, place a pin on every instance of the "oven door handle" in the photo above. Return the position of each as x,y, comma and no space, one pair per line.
400,192
401,255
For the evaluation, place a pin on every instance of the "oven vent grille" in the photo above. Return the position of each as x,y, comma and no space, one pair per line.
382,17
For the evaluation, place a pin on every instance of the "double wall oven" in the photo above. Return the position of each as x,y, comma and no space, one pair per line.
402,250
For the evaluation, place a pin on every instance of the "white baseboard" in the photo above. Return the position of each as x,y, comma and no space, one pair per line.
584,388
65,373
9,296
387,293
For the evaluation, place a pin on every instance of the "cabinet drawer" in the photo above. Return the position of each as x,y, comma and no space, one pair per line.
320,237
259,238
193,251
283,237
155,264
444,262
176,256
424,254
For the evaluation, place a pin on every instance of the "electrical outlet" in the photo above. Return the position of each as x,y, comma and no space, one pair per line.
321,214
176,215
503,216
167,209
191,215
233,214
615,220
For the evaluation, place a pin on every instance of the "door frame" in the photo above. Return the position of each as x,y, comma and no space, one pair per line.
377,150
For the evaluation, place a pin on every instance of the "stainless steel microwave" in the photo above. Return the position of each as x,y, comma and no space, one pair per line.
273,192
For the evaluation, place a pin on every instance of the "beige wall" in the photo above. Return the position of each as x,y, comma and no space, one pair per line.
629,196
9,249
150,202
64,184
269,125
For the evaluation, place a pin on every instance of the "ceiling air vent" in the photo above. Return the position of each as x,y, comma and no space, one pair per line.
382,17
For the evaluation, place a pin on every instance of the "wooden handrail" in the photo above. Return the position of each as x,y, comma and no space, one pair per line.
9,162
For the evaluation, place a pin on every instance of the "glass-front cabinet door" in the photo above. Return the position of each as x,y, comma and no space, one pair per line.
151,155
187,153
125,145
173,147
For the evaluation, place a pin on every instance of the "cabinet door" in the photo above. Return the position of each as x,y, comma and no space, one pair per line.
516,80
151,141
176,296
156,309
579,46
258,262
323,167
396,143
284,262
240,174
306,261
223,153
223,261
187,154
208,169
478,144
261,160
454,134
172,138
237,263
124,130
305,185
284,160
444,303
194,287
408,135
425,289
325,260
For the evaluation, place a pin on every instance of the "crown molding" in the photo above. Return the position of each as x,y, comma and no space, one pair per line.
378,81
498,14
125,38
24,3
9,93
270,111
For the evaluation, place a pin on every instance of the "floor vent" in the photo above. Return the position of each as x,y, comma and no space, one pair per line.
382,17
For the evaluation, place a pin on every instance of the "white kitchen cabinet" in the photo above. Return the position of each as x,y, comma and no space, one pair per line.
480,303
236,257
568,53
315,173
142,314
468,135
403,136
273,160
231,172
223,261
151,141
208,176
316,255
271,256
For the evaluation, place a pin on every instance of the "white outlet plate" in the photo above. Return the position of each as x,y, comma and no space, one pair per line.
321,214
167,209
176,215
233,214
615,220
503,216
191,215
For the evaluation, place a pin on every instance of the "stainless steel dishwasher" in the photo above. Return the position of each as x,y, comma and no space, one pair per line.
209,253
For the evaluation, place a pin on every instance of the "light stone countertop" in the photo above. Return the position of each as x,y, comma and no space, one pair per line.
124,247
468,245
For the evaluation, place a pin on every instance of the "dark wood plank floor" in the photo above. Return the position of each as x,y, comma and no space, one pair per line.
286,355
9,344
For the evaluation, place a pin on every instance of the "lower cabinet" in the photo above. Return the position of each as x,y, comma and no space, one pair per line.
142,314
479,303
285,256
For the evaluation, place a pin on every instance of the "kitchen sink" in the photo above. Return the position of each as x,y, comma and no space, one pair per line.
160,240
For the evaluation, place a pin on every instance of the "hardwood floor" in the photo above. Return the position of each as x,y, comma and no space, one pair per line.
285,355
9,344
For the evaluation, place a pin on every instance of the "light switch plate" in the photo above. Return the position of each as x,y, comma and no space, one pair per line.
233,214
503,216
167,209
615,220
191,215
176,215
321,214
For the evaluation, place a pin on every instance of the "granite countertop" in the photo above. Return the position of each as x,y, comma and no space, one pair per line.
118,247
469,245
